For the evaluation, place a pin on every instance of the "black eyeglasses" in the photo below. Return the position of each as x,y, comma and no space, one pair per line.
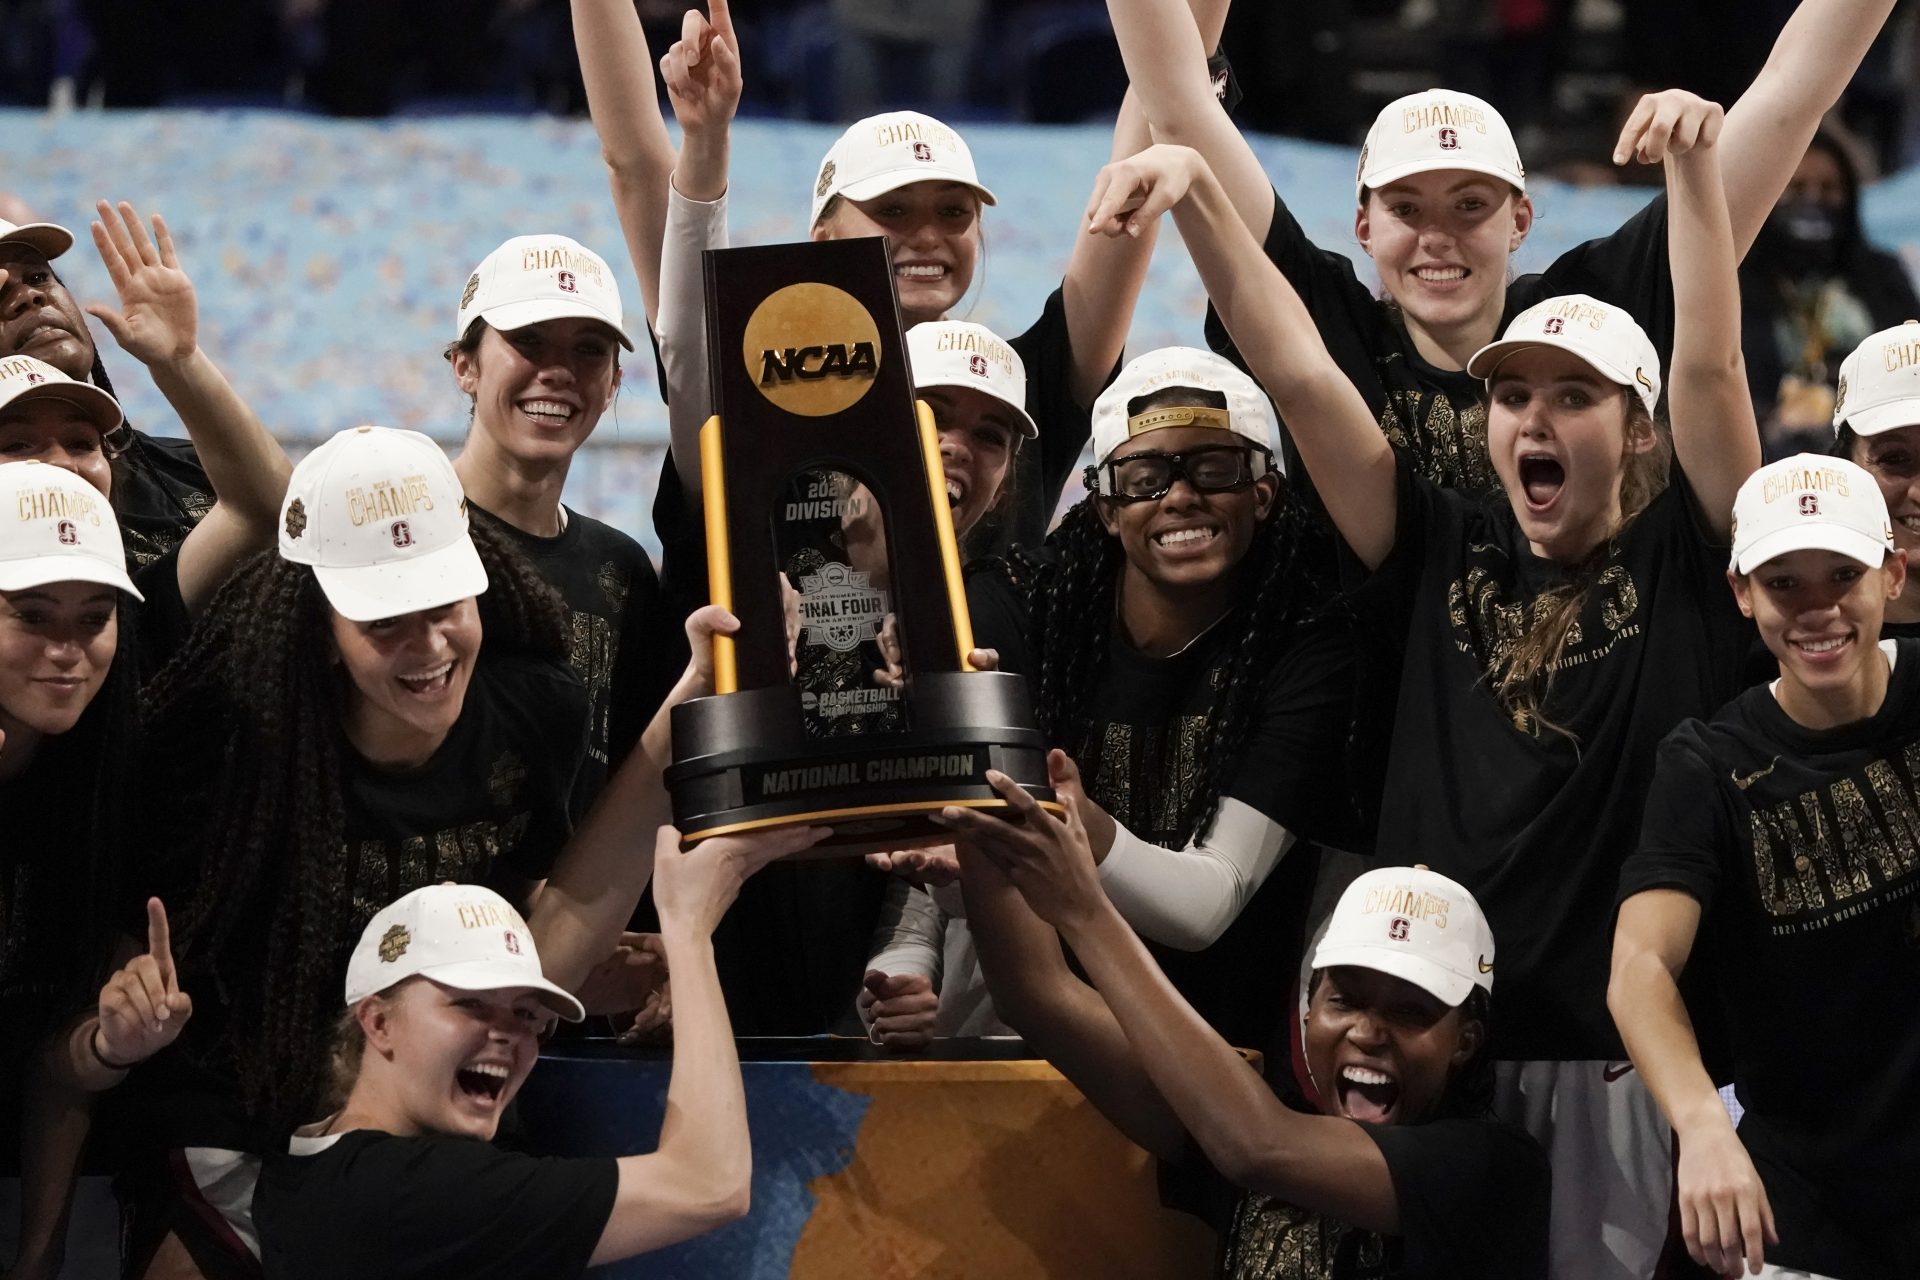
1144,477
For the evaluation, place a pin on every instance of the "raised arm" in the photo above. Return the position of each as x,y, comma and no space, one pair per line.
1715,436
1104,276
1252,1138
1768,129
1164,44
617,69
597,880
1724,1213
1349,459
700,1177
158,324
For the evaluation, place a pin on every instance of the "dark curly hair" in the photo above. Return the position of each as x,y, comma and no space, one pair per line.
1070,603
250,710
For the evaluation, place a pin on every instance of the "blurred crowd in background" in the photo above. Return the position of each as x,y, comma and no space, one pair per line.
1559,69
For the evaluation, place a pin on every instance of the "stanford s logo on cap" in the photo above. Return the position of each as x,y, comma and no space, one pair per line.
513,943
977,366
35,377
1400,929
1809,504
923,153
567,283
1554,325
1449,140
402,534
69,534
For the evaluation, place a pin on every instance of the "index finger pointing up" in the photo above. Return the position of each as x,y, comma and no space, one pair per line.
722,19
160,940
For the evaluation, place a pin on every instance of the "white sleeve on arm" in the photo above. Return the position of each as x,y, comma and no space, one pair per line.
692,227
1186,898
911,932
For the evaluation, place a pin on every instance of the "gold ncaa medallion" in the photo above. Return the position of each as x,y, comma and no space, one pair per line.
393,944
811,349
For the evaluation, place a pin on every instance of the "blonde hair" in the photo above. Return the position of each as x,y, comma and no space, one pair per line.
346,1047
1525,679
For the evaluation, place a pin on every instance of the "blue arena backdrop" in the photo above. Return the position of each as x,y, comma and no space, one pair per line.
329,254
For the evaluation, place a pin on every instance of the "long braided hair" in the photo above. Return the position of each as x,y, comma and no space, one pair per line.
1070,596
249,716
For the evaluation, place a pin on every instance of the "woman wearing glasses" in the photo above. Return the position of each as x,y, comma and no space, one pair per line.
1174,646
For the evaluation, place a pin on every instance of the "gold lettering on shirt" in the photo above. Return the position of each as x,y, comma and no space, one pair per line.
1272,1240
1834,852
1448,442
385,870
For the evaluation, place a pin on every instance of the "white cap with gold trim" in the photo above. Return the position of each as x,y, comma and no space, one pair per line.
55,527
886,152
955,353
1880,383
533,278
1600,333
459,935
25,378
1438,129
1810,502
48,239
1415,924
1249,412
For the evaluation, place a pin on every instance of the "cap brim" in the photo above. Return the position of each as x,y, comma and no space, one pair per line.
368,593
48,239
1431,164
481,975
1811,535
878,184
1028,431
101,408
518,315
1443,984
40,571
1890,416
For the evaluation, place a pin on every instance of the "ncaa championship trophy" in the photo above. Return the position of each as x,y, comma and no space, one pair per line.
846,700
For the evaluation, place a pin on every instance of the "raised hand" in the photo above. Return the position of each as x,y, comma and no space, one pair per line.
1669,123
158,320
628,981
702,70
1049,861
142,1008
1130,195
1724,1214
898,1009
692,890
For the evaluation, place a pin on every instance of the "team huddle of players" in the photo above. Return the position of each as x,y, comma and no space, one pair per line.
1469,608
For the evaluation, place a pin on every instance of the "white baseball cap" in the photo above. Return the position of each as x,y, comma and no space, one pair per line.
1810,502
1415,924
954,353
460,935
55,527
1438,129
1600,333
49,239
1249,414
1880,383
533,278
25,378
381,518
886,152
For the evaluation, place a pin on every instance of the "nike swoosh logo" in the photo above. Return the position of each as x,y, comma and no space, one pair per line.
1486,965
1744,782
1615,1071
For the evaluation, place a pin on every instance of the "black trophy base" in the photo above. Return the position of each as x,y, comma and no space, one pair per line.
743,762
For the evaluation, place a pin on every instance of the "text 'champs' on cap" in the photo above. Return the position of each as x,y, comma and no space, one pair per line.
55,527
462,936
1438,129
380,517
956,353
886,152
533,278
1414,924
1880,383
1810,502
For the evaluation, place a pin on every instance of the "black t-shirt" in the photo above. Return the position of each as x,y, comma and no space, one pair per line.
160,491
1802,847
373,1204
1440,415
623,644
493,807
1149,722
1473,1198
1533,821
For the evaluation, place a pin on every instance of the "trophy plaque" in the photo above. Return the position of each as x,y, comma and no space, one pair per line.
846,699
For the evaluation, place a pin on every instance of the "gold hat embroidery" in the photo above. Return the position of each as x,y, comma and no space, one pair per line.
393,944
